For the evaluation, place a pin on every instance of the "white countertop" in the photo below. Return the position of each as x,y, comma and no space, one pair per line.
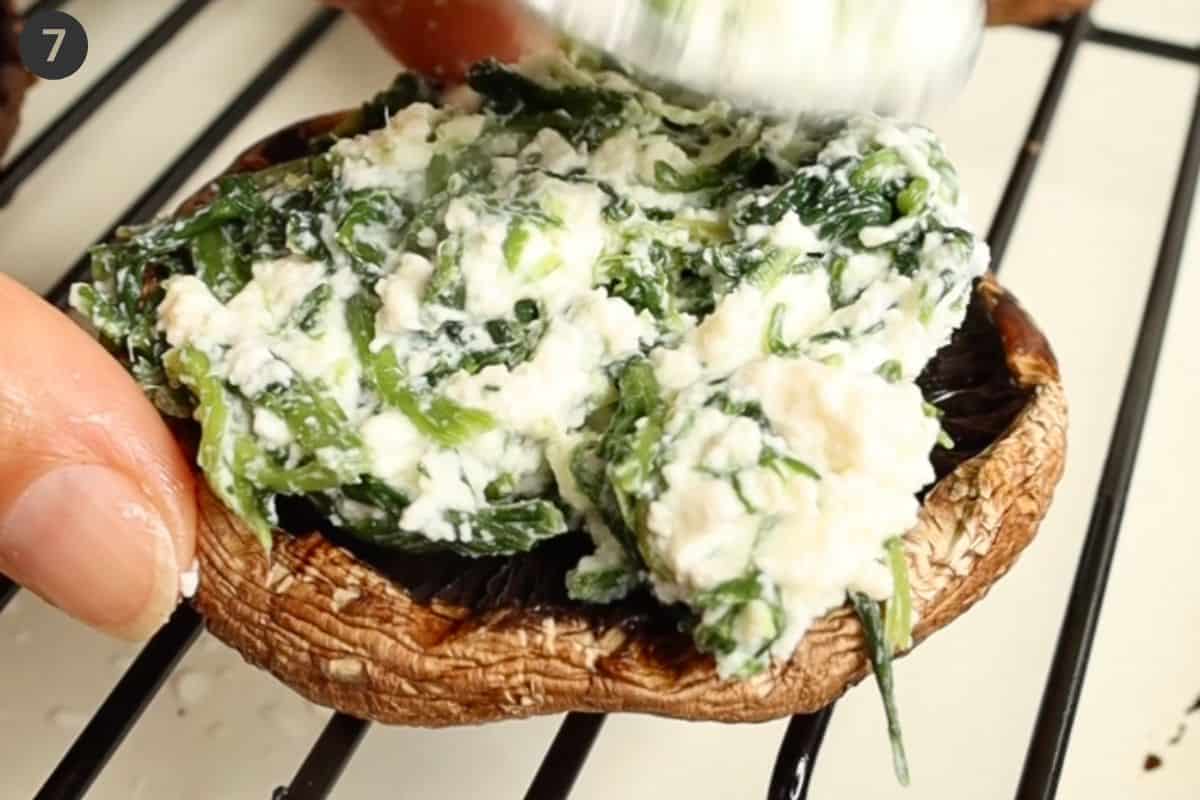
1081,261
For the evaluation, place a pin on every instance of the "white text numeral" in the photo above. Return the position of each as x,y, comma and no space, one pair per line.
59,34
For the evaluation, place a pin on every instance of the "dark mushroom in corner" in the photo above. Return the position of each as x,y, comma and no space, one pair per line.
14,78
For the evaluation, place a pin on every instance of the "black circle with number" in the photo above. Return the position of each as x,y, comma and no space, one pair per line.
53,45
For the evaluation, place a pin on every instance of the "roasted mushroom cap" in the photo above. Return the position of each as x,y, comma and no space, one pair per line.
14,78
441,640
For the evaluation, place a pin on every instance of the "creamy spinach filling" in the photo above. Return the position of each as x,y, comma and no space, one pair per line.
692,332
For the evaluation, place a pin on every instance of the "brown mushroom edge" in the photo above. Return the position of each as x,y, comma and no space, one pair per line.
440,640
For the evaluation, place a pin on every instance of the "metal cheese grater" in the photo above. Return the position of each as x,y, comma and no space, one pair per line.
897,57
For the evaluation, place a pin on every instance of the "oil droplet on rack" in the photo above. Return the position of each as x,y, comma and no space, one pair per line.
16,605
192,687
67,719
210,646
121,662
286,721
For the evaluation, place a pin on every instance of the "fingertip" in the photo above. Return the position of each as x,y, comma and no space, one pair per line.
85,538
66,403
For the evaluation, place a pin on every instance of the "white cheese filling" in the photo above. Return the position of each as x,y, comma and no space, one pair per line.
807,348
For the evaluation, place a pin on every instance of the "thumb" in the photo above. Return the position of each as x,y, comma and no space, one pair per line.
97,511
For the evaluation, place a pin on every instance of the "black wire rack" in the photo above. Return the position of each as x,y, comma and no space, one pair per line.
317,776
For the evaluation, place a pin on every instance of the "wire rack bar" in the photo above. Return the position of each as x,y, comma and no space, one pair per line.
121,709
565,759
1021,177
327,759
1145,45
180,171
797,757
1064,686
8,590
80,111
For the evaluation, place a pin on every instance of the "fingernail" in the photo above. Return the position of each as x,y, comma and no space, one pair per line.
85,538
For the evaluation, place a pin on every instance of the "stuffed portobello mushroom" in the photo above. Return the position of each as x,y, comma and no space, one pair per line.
573,395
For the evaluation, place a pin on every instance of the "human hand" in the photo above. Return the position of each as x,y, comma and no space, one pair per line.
97,509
